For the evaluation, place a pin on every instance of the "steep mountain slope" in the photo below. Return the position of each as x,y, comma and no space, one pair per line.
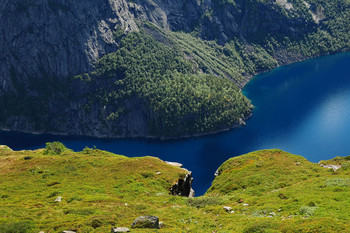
150,68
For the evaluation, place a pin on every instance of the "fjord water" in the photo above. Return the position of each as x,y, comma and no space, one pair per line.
303,108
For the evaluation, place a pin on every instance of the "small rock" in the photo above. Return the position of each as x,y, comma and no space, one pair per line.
158,173
272,214
192,193
217,173
241,121
232,212
58,199
161,224
174,164
146,222
334,167
290,216
119,229
227,208
126,204
245,204
41,232
68,232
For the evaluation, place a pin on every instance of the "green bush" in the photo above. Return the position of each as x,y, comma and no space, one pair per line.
55,148
307,210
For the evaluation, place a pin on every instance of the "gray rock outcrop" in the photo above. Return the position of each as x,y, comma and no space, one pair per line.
183,187
333,167
146,222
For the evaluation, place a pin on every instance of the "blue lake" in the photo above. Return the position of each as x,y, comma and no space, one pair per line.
303,108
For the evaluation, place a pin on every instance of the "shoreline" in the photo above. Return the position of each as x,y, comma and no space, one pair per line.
186,136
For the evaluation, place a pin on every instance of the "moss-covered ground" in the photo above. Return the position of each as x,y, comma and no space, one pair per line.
268,191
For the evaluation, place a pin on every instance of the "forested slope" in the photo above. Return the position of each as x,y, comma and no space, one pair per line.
150,68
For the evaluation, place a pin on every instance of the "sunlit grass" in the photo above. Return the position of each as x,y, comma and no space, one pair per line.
268,191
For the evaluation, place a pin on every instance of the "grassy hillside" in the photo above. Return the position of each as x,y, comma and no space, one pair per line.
269,191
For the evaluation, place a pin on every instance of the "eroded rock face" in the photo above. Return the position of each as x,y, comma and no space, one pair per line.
60,38
46,38
183,187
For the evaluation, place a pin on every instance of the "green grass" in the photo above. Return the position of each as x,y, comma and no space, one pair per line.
269,191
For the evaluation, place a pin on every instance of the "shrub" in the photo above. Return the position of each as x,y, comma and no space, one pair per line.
55,148
282,196
307,210
87,150
95,223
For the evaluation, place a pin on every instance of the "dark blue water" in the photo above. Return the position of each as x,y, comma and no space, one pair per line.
302,108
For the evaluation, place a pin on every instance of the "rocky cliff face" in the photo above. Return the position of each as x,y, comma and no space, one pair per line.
44,43
44,39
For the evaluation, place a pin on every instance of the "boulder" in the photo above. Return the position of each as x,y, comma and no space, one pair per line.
119,229
217,172
146,222
174,164
272,214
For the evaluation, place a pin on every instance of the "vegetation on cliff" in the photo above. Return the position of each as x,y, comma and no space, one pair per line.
267,191
180,98
137,78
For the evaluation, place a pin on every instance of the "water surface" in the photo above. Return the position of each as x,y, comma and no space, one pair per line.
303,108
